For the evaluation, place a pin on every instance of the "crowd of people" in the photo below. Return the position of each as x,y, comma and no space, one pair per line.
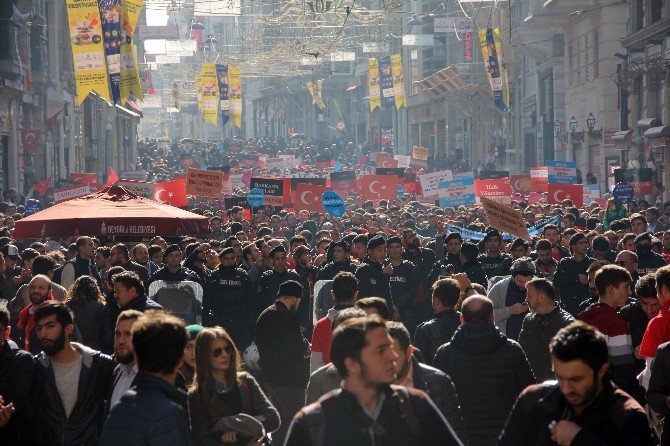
383,326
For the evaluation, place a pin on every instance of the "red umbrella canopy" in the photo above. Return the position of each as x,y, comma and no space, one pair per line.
114,211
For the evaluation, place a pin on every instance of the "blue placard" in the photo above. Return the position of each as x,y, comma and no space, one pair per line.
561,179
473,235
401,191
337,167
333,203
623,193
33,207
465,195
256,198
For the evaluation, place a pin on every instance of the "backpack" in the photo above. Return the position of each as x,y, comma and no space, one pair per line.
316,420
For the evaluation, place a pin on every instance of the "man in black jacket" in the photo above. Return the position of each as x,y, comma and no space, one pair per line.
413,374
173,271
71,382
373,276
540,325
495,262
130,294
471,266
226,300
584,407
269,283
16,375
647,261
82,265
120,256
570,278
485,366
639,313
432,334
341,262
284,354
404,282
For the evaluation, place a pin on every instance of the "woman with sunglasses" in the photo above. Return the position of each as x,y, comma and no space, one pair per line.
221,391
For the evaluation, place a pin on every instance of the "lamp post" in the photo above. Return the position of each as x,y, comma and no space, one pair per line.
557,128
573,125
596,135
108,130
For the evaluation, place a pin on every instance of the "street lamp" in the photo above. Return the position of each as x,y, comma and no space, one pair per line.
573,124
590,122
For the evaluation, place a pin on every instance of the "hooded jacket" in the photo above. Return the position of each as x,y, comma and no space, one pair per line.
84,424
487,367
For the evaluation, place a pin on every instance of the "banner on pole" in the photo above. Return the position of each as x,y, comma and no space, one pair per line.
235,94
398,82
373,84
210,93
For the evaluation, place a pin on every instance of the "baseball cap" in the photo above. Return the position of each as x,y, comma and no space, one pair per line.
11,251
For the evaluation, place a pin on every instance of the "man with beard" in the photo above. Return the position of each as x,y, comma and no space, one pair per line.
120,256
195,261
647,261
226,300
373,276
284,354
252,262
269,283
415,375
551,234
339,253
519,248
404,282
173,271
570,278
141,256
102,261
509,297
584,407
82,265
71,382
423,258
126,370
368,409
39,290
544,260
495,262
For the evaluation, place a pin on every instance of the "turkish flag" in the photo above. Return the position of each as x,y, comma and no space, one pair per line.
560,192
172,193
308,197
43,186
379,187
30,139
384,161
112,177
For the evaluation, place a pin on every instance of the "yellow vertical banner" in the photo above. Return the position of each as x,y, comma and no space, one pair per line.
210,93
500,53
319,94
235,94
198,89
310,88
398,81
373,84
130,76
88,53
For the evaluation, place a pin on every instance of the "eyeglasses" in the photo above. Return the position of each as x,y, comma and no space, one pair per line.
219,351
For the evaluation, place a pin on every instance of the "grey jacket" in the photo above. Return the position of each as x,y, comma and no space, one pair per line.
536,332
322,381
497,294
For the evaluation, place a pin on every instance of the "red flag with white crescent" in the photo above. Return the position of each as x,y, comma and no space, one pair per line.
379,187
308,197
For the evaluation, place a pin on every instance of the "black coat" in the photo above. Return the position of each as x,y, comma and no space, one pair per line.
330,270
267,288
475,272
489,371
432,334
496,266
373,282
90,319
51,425
16,376
404,283
282,347
615,419
659,387
566,281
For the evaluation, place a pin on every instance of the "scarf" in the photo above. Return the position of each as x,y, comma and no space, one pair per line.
30,323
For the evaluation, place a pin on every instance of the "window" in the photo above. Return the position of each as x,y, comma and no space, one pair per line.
587,60
596,55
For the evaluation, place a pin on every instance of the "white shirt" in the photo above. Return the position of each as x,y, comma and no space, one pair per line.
123,383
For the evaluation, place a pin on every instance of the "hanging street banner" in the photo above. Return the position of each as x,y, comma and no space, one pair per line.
88,51
500,54
398,81
373,84
130,76
318,92
386,82
493,68
224,102
235,94
110,15
458,192
210,93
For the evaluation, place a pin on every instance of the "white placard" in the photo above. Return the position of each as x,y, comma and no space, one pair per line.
403,160
430,181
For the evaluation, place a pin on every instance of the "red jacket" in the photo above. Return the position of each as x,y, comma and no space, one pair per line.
658,332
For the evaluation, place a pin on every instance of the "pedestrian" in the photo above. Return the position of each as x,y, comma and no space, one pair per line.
130,295
284,354
583,407
404,282
187,369
71,382
431,335
221,391
639,313
494,261
509,297
124,354
39,290
82,264
369,409
119,255
539,326
570,278
485,366
87,304
648,261
154,411
16,375
471,266
374,273
658,392
270,281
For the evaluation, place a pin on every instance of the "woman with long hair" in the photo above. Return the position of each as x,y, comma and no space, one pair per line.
88,306
221,391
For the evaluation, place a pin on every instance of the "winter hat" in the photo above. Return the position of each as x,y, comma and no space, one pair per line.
193,331
524,266
290,288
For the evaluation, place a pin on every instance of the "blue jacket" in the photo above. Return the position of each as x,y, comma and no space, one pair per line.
152,412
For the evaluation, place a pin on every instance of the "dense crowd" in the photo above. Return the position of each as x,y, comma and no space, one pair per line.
380,327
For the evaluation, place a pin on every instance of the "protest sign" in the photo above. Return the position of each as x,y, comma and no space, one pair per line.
505,218
642,180
236,180
458,192
397,171
386,162
273,188
403,160
521,184
498,190
140,188
275,163
623,193
344,182
379,187
429,181
493,174
204,183
560,192
308,197
333,203
69,193
138,175
226,186
83,178
420,153
255,197
539,179
561,172
591,193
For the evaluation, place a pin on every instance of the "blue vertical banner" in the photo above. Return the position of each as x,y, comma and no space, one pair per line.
222,77
386,82
110,17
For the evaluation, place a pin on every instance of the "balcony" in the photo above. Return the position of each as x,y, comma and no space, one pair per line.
10,65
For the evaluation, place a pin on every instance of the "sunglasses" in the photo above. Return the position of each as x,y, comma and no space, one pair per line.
219,351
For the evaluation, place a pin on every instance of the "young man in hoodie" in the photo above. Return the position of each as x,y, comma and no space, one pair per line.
613,284
344,292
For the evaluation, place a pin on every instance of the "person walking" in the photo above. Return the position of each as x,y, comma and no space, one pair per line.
87,304
570,278
509,297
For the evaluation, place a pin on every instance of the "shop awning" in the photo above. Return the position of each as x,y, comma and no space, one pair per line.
127,111
135,107
622,138
660,131
648,123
